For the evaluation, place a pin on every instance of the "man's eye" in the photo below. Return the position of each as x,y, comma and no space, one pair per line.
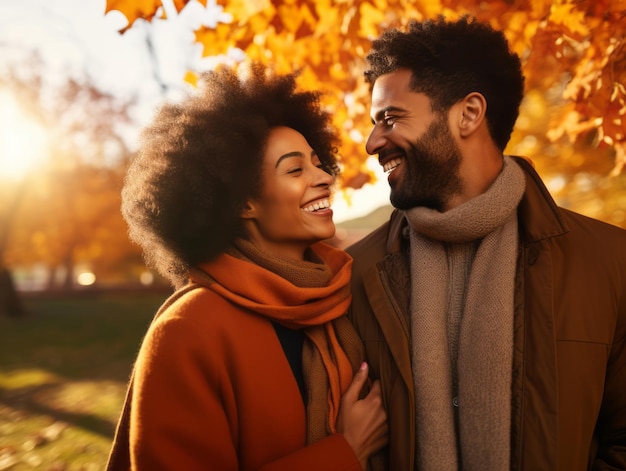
389,120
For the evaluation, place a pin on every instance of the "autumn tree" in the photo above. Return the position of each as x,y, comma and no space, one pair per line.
576,46
68,207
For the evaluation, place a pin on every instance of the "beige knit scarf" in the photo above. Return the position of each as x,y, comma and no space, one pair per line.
462,351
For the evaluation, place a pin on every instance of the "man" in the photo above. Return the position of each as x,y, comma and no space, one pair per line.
495,320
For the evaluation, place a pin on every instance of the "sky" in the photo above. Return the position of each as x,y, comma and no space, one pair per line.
76,37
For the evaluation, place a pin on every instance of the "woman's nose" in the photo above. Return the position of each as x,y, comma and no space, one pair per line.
323,178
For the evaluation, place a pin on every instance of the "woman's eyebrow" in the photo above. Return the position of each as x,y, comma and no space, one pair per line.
294,153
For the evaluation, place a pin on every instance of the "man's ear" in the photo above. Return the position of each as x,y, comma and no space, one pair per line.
473,109
249,211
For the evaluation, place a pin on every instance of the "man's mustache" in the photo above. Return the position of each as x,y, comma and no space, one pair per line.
386,152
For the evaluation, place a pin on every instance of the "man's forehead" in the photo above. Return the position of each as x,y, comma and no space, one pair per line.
393,91
397,80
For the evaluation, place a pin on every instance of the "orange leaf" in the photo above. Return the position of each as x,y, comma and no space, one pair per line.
308,24
134,9
180,4
289,17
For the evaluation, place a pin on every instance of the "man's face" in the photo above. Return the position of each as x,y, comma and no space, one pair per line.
414,144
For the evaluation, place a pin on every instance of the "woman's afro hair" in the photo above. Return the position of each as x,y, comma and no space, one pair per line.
200,162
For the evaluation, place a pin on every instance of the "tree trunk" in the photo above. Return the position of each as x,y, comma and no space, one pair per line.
10,303
68,264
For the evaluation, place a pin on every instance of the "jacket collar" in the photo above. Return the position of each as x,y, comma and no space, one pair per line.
539,216
397,224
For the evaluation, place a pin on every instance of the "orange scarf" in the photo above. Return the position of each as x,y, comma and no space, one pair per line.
315,306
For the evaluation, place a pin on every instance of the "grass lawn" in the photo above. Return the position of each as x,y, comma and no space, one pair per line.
63,373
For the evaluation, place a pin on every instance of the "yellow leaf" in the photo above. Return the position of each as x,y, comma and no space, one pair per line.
566,14
191,78
432,8
371,18
242,10
215,41
290,18
328,18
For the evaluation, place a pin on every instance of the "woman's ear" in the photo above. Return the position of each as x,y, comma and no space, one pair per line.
248,211
474,107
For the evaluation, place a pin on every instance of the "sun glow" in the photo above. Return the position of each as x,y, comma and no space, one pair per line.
22,140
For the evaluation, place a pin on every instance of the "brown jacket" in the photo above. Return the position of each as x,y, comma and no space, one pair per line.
569,373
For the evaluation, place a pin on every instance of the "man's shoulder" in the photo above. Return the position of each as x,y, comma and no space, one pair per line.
542,217
383,240
381,237
376,238
593,228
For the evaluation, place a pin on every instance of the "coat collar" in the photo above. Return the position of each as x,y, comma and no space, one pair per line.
538,213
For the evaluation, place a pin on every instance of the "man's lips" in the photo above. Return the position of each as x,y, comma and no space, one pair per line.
390,158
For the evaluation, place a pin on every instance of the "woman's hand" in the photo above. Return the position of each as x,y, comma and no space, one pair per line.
363,422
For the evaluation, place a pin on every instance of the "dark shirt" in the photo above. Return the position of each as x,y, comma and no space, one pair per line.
292,340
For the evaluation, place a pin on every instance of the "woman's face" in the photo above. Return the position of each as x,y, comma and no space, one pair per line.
293,210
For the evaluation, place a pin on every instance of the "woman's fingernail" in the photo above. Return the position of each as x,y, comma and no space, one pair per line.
363,366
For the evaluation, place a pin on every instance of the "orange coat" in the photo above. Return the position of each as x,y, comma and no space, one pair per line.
213,390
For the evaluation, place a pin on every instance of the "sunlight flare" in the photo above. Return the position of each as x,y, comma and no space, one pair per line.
23,142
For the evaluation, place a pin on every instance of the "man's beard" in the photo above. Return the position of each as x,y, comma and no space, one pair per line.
431,174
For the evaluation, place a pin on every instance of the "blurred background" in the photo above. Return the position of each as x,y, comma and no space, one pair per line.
80,78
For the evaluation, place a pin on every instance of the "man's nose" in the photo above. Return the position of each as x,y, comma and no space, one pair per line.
375,141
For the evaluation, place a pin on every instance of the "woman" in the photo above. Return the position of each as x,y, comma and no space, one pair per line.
250,364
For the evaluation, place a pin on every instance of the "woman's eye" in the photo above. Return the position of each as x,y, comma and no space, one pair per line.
294,170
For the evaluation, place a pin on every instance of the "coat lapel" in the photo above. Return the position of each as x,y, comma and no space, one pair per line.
540,221
392,321
539,394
